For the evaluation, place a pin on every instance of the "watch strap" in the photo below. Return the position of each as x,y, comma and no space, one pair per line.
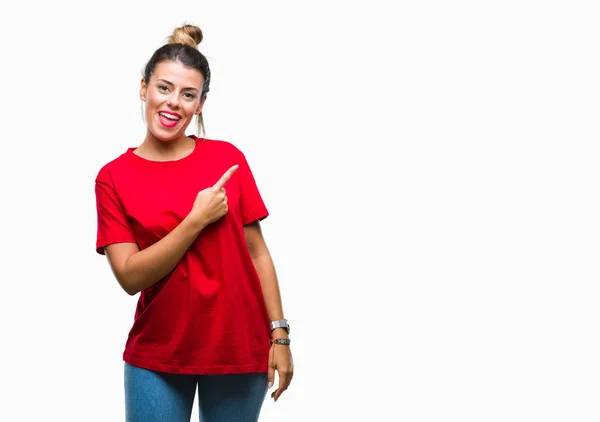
285,341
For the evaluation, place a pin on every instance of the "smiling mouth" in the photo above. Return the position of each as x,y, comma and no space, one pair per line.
168,119
170,116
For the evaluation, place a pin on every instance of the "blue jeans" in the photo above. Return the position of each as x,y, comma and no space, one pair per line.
152,396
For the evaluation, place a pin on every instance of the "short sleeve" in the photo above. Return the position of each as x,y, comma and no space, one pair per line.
251,203
113,226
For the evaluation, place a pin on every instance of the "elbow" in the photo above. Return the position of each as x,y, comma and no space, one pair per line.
128,285
258,256
119,257
132,279
127,280
257,252
131,292
129,289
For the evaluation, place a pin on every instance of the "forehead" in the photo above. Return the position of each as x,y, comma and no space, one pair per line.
178,74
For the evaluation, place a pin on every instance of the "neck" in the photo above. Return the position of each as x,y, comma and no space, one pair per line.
154,148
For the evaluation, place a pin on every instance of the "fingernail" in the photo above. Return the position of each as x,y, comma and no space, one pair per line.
270,384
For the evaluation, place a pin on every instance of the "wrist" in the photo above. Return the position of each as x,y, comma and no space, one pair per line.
279,333
284,341
280,323
194,223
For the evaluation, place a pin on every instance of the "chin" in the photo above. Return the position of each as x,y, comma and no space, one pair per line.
165,134
166,137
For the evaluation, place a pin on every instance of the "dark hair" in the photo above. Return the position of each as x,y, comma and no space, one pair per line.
182,47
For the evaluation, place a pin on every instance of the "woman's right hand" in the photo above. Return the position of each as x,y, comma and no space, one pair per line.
211,203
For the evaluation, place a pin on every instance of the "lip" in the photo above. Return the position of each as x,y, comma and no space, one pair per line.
167,123
170,112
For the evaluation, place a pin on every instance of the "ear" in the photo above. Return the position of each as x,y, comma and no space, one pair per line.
143,89
200,105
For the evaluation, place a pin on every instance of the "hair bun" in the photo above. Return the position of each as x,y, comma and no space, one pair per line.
187,34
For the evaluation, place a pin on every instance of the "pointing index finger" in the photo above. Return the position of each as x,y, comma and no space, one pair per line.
225,177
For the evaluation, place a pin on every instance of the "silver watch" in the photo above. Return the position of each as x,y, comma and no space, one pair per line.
280,323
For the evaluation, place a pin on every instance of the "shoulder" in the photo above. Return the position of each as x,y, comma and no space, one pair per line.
106,172
223,148
219,144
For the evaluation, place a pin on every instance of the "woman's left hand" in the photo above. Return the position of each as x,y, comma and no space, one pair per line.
280,359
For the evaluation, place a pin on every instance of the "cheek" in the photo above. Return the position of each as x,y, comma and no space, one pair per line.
190,110
152,98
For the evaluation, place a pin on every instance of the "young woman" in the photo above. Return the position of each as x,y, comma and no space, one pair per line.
178,219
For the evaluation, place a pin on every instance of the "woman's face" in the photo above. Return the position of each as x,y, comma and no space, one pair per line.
172,97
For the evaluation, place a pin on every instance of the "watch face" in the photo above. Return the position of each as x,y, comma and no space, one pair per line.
281,324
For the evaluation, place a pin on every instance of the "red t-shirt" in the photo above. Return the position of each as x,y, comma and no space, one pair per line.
208,315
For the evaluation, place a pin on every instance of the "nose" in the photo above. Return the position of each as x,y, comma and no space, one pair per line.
173,100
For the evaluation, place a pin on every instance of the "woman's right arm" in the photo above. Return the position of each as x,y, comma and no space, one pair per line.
136,270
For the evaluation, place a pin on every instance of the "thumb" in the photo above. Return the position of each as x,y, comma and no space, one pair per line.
271,372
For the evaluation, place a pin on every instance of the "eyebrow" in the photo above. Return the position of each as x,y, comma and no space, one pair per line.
171,83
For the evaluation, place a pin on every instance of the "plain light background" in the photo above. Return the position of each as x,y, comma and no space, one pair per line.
431,169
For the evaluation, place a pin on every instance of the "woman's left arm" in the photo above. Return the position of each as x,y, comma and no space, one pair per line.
280,356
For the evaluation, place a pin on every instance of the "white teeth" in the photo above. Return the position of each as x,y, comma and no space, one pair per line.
169,116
